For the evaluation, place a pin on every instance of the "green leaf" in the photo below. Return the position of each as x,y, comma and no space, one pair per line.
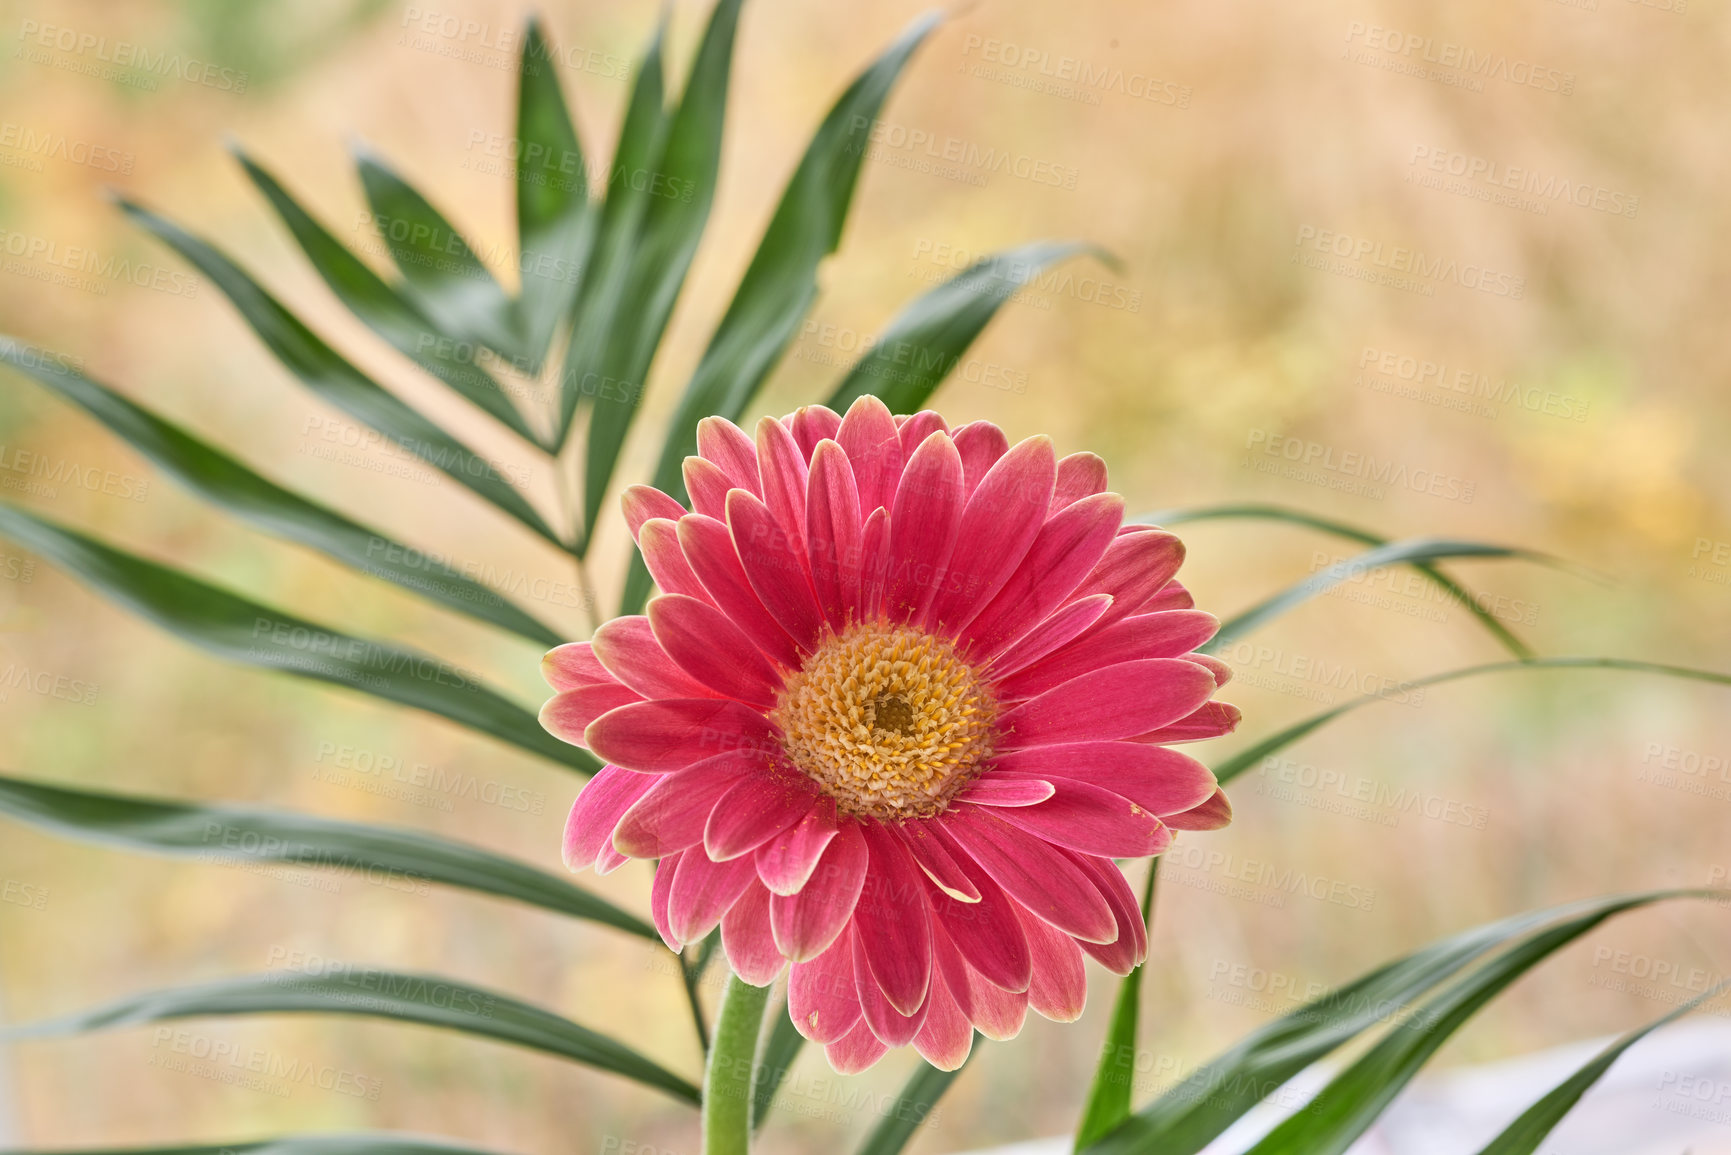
1249,757
1109,1095
1415,552
1352,1101
554,224
430,1000
321,369
441,273
781,281
775,1059
666,240
928,338
375,1143
233,833
244,631
1171,517
912,1108
1190,1115
384,309
226,482
1523,1136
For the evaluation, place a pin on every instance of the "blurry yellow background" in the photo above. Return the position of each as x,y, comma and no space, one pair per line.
1257,168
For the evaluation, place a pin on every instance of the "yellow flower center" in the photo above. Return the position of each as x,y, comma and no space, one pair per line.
888,720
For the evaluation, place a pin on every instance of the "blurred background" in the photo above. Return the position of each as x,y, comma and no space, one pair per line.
1355,280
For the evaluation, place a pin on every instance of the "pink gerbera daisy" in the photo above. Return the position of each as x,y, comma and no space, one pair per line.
906,694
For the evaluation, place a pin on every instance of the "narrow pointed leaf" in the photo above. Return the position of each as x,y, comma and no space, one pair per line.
1523,1136
667,239
1417,551
250,834
232,627
1190,1115
384,309
226,482
931,335
429,1000
321,369
362,1143
441,273
1248,758
554,221
1504,636
775,1059
912,1107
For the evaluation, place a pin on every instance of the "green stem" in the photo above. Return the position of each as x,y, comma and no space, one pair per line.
732,1056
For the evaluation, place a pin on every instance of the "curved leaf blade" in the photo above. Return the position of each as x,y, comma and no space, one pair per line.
1108,1102
234,833
246,632
927,339
775,1059
322,370
912,1107
554,221
383,308
428,1000
363,1143
226,482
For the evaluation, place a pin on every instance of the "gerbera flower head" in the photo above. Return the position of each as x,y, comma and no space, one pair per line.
906,693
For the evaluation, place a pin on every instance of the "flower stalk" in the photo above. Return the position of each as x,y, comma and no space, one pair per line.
732,1059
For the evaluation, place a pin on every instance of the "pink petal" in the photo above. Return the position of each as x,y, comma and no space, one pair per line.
665,560
1212,814
609,860
702,892
874,563
820,994
890,1025
785,863
704,643
1006,790
833,534
756,810
672,815
775,566
806,923
1210,720
671,733
1136,567
708,487
936,862
987,934
874,449
605,797
923,526
1068,546
781,468
946,1036
708,546
628,648
1162,635
1058,988
1130,949
857,1051
812,424
567,714
1221,671
642,502
1091,820
1172,596
746,939
663,886
573,666
999,524
1034,873
1062,628
1079,475
1115,702
981,444
893,923
916,429
1159,780
995,1012
726,445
